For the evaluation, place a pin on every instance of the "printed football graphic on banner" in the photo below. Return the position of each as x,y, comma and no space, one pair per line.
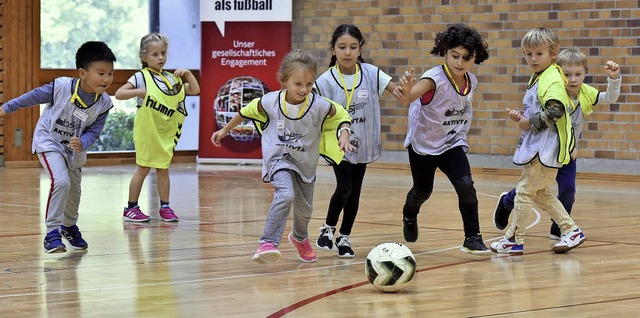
233,96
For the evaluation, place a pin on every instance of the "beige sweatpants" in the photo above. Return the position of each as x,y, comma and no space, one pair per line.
533,186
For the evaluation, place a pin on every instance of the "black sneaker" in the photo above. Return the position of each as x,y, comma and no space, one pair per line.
325,240
501,214
410,229
344,247
73,235
474,245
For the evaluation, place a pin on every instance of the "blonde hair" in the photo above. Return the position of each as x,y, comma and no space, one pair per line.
294,60
146,40
572,56
541,38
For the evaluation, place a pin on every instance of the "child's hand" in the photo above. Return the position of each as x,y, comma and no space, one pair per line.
574,154
613,69
398,92
75,144
344,143
2,112
515,115
181,72
407,81
346,146
217,136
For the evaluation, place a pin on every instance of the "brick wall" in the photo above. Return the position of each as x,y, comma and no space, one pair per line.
400,35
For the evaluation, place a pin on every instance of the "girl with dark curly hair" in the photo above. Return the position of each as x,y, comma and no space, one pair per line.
440,115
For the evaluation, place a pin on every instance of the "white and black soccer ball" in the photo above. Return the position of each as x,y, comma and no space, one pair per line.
390,266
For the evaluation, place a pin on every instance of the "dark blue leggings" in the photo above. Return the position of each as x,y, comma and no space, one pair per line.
566,179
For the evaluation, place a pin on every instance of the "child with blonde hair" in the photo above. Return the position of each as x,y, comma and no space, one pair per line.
158,123
583,97
296,126
545,145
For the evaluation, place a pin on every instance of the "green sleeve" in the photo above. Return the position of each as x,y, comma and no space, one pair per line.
252,111
329,148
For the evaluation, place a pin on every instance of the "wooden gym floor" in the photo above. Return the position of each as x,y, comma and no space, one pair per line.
201,266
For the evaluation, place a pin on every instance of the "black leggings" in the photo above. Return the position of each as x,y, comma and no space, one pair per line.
347,195
455,165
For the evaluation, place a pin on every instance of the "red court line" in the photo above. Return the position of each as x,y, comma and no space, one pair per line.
311,299
297,305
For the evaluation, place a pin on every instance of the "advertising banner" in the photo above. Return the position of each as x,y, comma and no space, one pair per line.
243,43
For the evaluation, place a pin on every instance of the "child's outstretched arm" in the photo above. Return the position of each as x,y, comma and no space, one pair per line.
128,91
413,88
217,136
613,84
191,86
37,96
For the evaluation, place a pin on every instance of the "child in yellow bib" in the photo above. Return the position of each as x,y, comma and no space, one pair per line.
158,123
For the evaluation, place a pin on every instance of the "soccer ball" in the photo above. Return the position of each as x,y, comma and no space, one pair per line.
390,266
234,95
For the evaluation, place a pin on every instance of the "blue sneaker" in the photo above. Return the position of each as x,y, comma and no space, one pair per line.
53,242
72,234
507,246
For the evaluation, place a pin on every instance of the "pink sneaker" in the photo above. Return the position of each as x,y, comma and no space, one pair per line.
305,251
168,215
266,253
134,215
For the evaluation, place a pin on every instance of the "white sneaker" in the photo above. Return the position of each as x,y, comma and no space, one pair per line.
569,241
507,246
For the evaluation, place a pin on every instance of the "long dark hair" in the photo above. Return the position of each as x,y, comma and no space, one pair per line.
341,30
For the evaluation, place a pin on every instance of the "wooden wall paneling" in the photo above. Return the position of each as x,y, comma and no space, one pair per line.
2,43
120,77
22,64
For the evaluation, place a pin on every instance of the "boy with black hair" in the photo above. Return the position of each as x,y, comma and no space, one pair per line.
72,121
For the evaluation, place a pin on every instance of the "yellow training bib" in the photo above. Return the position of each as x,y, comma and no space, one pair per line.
158,124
